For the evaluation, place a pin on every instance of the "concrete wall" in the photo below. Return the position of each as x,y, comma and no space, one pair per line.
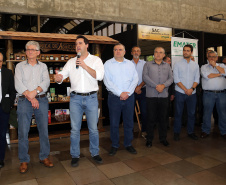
184,14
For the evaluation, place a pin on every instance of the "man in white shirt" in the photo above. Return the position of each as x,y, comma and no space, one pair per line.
84,73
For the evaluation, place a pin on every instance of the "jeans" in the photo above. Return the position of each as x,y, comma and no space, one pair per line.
116,107
4,123
141,98
180,99
79,105
209,100
24,114
157,115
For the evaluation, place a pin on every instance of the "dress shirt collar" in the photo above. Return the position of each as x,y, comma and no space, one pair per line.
153,62
137,62
114,60
28,63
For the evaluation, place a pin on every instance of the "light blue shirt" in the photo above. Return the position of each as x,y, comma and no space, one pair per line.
120,76
213,84
186,73
139,67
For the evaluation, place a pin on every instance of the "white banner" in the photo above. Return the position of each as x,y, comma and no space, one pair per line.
177,44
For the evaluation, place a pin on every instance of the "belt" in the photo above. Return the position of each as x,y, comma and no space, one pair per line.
222,91
38,96
84,94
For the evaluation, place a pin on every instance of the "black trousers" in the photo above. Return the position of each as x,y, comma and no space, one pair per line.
157,109
4,123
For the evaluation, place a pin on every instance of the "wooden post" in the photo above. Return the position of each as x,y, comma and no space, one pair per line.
38,24
96,51
9,49
92,24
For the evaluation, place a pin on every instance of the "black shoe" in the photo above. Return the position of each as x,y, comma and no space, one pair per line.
74,162
131,150
98,159
193,136
165,143
149,144
176,136
113,151
1,164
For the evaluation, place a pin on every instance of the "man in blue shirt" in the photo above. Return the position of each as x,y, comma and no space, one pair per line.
140,91
214,85
186,78
121,80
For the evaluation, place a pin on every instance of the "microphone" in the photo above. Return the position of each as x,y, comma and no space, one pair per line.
78,56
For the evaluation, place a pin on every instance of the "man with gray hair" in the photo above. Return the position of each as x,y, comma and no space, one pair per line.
157,76
32,82
214,85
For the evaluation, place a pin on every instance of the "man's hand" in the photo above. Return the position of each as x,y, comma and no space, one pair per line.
160,87
81,63
189,92
34,103
58,78
124,95
30,94
138,90
212,63
172,97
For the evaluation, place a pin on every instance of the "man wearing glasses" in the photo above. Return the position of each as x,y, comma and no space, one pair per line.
121,79
214,85
31,82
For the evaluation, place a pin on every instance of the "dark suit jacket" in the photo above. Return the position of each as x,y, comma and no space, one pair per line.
8,89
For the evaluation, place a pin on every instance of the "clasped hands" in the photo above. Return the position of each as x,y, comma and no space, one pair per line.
188,91
160,87
30,95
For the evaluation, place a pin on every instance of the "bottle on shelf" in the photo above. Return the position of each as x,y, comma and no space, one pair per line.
11,56
51,70
51,57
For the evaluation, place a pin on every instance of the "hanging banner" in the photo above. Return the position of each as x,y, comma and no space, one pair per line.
154,33
177,44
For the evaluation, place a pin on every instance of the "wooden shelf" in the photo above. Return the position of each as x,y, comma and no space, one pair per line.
53,102
57,83
64,122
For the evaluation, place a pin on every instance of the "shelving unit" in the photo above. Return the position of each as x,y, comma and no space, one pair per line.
56,40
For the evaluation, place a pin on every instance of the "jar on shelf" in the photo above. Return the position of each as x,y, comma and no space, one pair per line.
51,57
47,57
43,57
66,57
51,70
11,56
56,58
23,58
62,57
17,57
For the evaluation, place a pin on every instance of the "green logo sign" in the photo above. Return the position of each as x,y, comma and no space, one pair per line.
182,44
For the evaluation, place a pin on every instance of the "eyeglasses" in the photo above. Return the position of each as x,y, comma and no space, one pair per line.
32,50
212,56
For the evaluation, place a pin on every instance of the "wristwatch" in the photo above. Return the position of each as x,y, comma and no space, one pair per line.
37,91
193,88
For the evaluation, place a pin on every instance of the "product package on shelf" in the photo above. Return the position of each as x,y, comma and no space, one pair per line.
62,115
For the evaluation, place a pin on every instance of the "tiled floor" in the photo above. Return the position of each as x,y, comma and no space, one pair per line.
187,162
